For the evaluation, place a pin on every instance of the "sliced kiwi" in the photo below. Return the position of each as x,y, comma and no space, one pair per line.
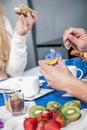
71,113
73,103
36,111
53,105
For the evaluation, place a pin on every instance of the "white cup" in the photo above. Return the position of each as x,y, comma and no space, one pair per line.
29,85
74,71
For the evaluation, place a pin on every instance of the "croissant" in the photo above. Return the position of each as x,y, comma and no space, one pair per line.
83,55
23,9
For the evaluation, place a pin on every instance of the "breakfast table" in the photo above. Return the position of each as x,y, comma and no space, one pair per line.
53,95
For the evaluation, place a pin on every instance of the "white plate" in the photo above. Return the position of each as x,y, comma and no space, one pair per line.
16,123
80,124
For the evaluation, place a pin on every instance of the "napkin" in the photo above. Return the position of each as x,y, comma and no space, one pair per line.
79,63
10,83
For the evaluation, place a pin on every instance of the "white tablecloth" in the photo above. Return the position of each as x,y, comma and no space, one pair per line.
4,114
33,72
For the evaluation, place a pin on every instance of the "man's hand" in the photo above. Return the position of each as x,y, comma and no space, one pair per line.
58,77
75,38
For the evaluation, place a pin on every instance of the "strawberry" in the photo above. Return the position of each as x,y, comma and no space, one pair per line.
51,125
39,118
46,114
59,118
30,124
40,125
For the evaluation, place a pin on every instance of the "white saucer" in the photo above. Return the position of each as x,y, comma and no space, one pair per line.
41,93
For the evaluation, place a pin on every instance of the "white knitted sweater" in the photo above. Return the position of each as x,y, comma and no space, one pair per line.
18,53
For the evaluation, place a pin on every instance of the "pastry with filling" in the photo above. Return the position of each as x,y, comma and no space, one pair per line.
82,55
52,61
23,9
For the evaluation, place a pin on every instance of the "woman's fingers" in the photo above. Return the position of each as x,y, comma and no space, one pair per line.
29,21
23,20
35,18
30,18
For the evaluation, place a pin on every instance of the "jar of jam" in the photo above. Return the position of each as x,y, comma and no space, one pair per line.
15,102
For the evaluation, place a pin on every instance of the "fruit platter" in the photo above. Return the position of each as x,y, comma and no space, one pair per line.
53,117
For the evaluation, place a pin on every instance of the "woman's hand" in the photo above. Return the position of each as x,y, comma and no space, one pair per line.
3,75
58,77
75,38
24,24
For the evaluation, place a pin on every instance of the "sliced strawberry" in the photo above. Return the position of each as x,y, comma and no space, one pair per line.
40,125
46,114
39,118
30,124
51,125
59,118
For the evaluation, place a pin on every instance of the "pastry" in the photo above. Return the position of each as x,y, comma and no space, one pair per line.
23,9
52,61
83,55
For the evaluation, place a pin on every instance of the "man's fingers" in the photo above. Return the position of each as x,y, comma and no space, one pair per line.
44,65
67,33
67,45
44,73
74,39
61,64
72,31
43,69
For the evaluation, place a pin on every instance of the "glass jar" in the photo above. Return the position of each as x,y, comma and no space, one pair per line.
14,101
